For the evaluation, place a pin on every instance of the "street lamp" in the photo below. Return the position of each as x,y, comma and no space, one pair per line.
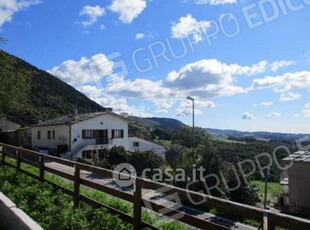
193,113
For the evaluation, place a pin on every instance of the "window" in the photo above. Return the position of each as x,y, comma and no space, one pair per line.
87,134
51,134
87,154
117,133
39,135
136,144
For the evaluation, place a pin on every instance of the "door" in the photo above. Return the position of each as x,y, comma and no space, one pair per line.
102,137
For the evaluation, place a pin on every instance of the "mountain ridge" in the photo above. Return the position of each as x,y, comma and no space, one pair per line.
29,94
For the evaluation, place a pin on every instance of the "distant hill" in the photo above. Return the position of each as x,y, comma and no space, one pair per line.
265,135
156,122
28,94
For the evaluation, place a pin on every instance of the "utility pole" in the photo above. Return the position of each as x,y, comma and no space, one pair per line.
193,116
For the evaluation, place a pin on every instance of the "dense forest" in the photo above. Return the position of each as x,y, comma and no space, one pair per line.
29,94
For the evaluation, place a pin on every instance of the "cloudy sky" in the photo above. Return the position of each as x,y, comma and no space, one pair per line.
245,62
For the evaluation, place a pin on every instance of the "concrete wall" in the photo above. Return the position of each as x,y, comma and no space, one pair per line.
61,136
6,125
299,187
145,145
105,121
12,217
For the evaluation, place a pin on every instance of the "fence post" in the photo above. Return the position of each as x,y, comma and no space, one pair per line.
76,186
137,203
42,168
3,155
18,160
271,225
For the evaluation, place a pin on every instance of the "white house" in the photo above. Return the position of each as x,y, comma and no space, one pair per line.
81,135
138,144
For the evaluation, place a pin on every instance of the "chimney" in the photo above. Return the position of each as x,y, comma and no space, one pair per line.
76,115
124,115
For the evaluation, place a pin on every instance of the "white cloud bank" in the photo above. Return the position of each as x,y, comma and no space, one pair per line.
127,10
205,80
92,13
215,2
9,7
84,71
247,116
274,114
139,36
188,26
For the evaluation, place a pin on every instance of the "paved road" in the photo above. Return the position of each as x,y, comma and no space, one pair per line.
154,196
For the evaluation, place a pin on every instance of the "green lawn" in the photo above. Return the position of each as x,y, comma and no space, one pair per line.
273,192
51,208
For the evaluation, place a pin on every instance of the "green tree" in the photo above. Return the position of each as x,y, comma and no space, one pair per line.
184,136
146,160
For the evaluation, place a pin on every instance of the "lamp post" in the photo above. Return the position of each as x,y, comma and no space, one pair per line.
193,113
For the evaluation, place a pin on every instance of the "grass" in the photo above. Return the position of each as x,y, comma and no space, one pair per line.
274,190
126,207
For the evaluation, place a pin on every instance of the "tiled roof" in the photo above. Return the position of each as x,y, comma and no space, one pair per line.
300,156
71,119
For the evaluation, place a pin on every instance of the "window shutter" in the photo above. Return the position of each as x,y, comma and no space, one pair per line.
83,134
113,133
122,133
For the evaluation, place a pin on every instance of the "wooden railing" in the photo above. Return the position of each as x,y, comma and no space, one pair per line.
136,198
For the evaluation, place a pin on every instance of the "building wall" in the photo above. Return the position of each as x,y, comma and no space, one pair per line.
24,137
105,121
299,187
61,136
145,145
6,125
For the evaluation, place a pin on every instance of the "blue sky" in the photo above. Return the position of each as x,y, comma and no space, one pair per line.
245,62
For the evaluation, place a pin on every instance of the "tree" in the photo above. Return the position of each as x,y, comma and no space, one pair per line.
173,153
184,136
244,192
117,155
146,160
3,41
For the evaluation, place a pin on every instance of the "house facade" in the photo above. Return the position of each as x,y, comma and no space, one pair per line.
296,183
138,144
82,135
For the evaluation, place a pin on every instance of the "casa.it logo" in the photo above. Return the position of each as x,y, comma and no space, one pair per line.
124,174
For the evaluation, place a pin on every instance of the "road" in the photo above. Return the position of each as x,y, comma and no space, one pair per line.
154,196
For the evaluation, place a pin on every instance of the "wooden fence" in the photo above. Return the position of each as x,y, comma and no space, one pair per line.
139,202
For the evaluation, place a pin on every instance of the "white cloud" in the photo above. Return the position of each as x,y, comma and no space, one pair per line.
210,78
108,100
9,7
266,103
92,13
274,114
189,26
247,116
185,107
280,64
139,36
127,10
283,83
215,2
161,111
306,112
138,88
284,97
83,71
102,27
